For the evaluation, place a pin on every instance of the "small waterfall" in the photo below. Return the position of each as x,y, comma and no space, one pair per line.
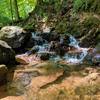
44,48
73,58
76,58
74,42
33,34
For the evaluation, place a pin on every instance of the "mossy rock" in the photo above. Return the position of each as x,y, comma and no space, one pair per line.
7,55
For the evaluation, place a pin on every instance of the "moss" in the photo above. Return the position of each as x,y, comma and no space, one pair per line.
88,90
87,5
61,26
29,26
91,21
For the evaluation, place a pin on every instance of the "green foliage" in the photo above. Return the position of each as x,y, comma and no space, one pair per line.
91,22
88,90
24,7
87,5
4,11
78,4
62,27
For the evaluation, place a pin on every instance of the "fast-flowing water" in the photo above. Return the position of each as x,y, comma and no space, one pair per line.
72,58
76,57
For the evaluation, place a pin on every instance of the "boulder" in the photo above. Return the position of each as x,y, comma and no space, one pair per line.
15,36
96,59
35,40
23,59
3,72
96,55
33,50
44,56
27,59
49,36
7,55
30,43
93,56
58,48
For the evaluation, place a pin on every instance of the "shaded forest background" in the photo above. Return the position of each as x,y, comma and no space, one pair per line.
80,18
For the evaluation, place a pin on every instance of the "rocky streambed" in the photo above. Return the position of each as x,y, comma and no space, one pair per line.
48,80
39,64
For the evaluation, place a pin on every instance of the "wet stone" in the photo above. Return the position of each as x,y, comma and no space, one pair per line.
44,56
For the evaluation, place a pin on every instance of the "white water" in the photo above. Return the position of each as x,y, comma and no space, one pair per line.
69,58
44,48
33,35
76,58
74,42
73,58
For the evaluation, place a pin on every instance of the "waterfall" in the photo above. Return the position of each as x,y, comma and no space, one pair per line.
33,34
76,58
74,42
43,48
72,58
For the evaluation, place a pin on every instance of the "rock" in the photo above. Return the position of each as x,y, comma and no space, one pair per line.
54,36
30,43
26,59
96,55
33,50
92,77
15,36
58,48
39,41
98,47
3,72
44,80
50,36
7,55
65,40
44,56
96,59
23,59
45,36
93,56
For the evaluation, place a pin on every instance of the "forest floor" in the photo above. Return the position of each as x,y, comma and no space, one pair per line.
44,82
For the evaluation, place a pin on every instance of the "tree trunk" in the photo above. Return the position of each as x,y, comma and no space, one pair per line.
11,11
16,10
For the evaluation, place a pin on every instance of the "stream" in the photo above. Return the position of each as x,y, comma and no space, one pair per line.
74,55
46,54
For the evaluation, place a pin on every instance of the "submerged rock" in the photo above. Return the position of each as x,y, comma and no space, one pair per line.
7,55
15,36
